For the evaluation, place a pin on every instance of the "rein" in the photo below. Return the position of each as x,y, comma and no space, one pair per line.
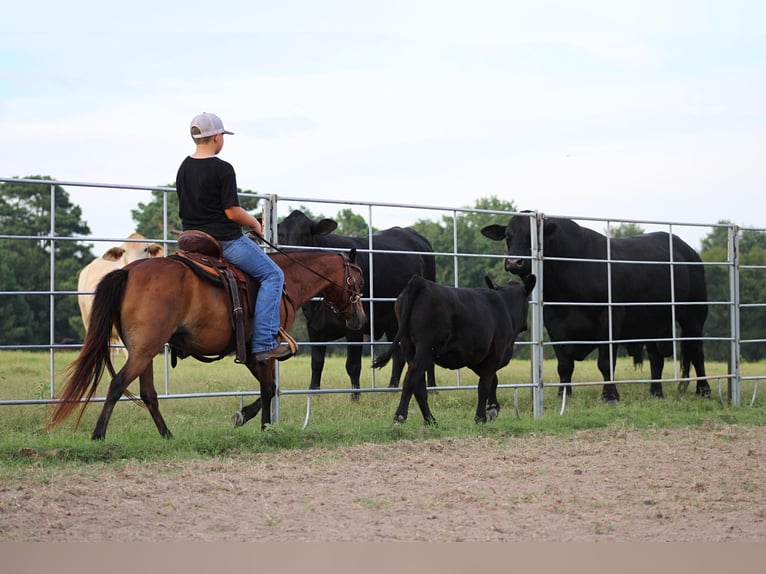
355,294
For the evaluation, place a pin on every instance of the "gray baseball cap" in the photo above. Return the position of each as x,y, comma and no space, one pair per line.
209,125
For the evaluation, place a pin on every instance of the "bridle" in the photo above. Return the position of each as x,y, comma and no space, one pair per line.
350,287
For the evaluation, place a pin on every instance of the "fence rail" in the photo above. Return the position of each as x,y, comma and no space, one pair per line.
383,215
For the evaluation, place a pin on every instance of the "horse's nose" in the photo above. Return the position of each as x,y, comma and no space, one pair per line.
513,265
356,321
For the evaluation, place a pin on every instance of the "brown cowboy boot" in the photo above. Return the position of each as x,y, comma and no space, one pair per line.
286,349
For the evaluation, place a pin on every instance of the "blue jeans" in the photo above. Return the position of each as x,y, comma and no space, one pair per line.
248,256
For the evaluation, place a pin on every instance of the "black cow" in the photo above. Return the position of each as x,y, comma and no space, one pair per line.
457,327
586,282
391,273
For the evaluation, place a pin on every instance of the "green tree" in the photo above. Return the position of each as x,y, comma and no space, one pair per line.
16,317
470,245
150,217
625,230
351,224
26,262
752,292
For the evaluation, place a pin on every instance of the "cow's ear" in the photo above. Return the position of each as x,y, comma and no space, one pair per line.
156,250
491,284
494,232
324,227
113,254
529,283
352,255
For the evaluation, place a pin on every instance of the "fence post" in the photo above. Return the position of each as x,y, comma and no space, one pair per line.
735,353
536,237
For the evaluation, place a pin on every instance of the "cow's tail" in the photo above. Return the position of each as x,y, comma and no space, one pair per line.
84,373
404,308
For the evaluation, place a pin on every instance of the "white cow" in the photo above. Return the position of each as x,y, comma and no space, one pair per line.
114,258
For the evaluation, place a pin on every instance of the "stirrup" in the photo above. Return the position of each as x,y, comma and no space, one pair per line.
286,338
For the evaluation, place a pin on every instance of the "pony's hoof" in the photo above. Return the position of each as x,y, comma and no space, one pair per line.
399,419
237,419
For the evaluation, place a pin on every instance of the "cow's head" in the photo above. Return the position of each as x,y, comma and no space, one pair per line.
518,296
517,241
298,229
135,249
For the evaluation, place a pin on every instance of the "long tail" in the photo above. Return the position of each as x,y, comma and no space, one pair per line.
404,307
84,373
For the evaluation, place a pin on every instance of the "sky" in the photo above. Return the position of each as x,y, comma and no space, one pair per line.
650,110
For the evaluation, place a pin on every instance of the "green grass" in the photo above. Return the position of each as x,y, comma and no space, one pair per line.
202,429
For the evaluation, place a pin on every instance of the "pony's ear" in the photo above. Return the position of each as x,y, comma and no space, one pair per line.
352,255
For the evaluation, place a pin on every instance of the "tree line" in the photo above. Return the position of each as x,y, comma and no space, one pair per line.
25,261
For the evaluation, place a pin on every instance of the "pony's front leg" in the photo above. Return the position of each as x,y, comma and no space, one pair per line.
264,372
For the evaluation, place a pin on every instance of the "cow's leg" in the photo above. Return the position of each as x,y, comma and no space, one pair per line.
431,376
703,388
399,360
694,353
493,405
609,393
486,390
656,363
400,415
414,383
317,365
421,396
397,366
354,362
565,367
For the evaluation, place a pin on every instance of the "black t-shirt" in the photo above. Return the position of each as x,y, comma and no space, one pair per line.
205,188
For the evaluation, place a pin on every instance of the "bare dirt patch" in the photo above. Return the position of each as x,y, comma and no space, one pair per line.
659,485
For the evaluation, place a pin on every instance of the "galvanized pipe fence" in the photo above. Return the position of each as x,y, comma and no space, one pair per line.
383,215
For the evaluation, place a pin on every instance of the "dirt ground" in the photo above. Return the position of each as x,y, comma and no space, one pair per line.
610,485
